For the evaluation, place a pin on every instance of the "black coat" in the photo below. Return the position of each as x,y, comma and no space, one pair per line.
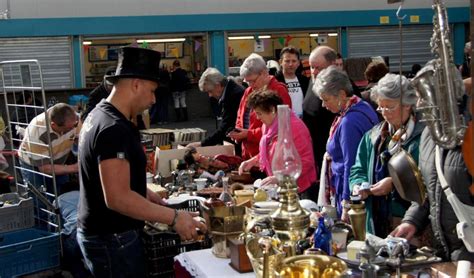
179,80
318,120
228,106
304,81
100,92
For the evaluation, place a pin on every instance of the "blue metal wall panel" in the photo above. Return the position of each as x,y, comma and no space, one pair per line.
211,22
218,51
77,61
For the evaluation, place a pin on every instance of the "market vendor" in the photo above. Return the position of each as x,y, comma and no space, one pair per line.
34,152
114,200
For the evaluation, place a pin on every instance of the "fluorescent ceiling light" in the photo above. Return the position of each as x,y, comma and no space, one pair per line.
161,40
332,34
313,35
86,43
250,37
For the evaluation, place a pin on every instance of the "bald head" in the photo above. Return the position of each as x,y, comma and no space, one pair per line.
320,58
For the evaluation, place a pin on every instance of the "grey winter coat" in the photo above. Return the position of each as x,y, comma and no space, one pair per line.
436,208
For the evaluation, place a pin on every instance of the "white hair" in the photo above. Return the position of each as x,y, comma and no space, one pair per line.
388,87
254,64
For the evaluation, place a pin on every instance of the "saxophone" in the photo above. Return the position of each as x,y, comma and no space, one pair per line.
440,88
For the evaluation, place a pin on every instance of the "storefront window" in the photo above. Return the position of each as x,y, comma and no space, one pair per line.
101,54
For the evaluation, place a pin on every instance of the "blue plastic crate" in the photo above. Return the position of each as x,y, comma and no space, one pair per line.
27,251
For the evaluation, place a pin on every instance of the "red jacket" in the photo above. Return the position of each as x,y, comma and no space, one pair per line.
250,144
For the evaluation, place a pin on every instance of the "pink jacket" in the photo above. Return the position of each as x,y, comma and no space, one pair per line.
304,146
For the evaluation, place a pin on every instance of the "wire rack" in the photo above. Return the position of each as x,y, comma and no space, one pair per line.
24,98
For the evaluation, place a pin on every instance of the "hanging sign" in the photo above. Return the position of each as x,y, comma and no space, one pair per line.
322,39
259,46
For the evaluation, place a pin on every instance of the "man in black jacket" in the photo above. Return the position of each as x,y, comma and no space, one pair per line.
297,83
228,94
99,93
315,116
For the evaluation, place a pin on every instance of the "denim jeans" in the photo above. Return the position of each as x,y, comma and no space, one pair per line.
38,180
113,255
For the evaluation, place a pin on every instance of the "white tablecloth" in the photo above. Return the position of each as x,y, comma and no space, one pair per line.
202,263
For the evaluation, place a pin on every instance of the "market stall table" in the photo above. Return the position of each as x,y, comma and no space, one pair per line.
202,263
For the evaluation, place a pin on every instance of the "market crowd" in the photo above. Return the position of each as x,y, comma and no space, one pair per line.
353,132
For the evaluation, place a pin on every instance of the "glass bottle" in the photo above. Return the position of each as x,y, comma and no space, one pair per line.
225,196
322,237
286,160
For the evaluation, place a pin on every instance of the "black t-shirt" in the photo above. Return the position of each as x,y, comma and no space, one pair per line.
107,134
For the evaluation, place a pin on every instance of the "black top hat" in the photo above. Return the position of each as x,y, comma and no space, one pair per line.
134,62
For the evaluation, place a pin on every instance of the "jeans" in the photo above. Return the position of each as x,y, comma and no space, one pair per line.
38,180
179,99
113,255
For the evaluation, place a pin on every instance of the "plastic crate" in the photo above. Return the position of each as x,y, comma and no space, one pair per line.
192,205
162,247
16,213
27,251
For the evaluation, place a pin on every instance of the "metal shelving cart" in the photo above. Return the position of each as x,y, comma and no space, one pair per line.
30,224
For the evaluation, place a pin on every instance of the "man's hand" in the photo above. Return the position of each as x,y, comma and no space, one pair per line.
186,226
238,134
383,187
405,230
193,144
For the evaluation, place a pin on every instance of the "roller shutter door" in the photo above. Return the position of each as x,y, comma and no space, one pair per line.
385,41
53,53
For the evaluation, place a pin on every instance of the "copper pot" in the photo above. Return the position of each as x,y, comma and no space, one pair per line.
406,176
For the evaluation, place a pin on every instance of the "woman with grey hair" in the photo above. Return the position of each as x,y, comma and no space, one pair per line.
377,147
354,118
248,128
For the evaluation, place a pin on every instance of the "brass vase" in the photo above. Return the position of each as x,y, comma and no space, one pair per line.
358,217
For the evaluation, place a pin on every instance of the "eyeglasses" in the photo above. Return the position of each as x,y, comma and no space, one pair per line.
387,109
250,82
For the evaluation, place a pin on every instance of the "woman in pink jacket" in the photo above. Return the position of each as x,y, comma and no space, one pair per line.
265,106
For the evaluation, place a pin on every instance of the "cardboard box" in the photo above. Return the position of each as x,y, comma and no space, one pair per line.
163,157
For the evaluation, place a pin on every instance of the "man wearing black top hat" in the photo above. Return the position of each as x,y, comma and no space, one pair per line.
114,200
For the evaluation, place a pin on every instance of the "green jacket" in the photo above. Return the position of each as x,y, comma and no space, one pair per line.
363,168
